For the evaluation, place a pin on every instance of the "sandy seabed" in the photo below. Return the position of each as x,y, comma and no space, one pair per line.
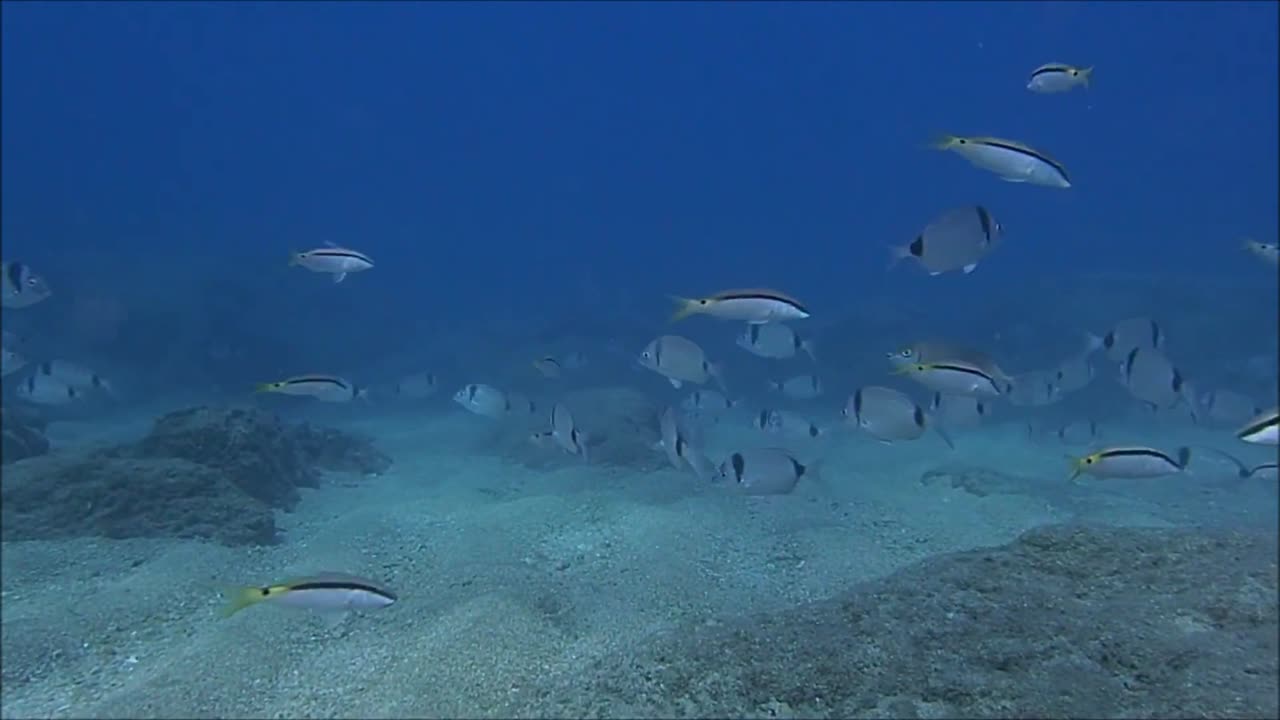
513,582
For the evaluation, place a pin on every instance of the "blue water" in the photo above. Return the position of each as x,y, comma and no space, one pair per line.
547,170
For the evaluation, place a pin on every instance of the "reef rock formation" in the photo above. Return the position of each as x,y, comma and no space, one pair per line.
201,472
1066,621
23,433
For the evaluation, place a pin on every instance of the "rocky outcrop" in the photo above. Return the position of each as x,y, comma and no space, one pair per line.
202,472
23,433
1066,621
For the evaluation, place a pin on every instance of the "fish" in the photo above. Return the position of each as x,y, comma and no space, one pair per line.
680,360
775,340
928,351
787,424
45,390
706,402
1131,462
325,388
1035,388
1267,252
1131,333
765,471
566,433
21,287
330,593
681,453
1057,77
1075,432
1227,407
548,367
1261,430
11,361
1268,469
1150,377
957,240
77,376
754,306
417,386
1011,161
337,261
488,401
888,415
1077,371
959,411
955,378
800,387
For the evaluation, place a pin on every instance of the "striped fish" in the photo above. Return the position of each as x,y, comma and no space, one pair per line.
753,306
332,593
1131,462
1012,161
331,259
1261,430
325,388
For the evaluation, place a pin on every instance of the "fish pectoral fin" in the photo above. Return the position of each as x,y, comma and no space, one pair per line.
674,383
970,268
338,277
1013,178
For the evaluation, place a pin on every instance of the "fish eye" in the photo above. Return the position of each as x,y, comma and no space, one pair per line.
1088,460
32,281
905,352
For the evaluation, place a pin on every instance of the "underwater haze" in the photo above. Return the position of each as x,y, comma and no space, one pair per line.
641,359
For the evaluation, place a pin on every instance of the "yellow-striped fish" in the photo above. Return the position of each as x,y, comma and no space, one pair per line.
1058,77
1012,161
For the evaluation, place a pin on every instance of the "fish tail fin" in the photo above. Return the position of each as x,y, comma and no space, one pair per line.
684,307
1092,343
943,141
942,433
897,253
295,258
239,598
265,387
808,347
1184,457
1086,76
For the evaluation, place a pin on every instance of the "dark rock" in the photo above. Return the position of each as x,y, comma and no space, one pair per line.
1066,621
340,451
23,433
117,497
253,449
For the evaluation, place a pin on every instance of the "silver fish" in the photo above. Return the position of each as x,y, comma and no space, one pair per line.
786,424
957,240
488,401
1011,161
11,361
677,445
20,286
753,306
1150,377
1267,252
680,360
1132,333
959,411
886,414
566,434
44,390
707,403
331,593
336,261
417,386
774,340
929,351
1035,388
800,387
325,388
1261,430
764,471
1227,407
1075,432
1058,77
77,376
1131,462
955,378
